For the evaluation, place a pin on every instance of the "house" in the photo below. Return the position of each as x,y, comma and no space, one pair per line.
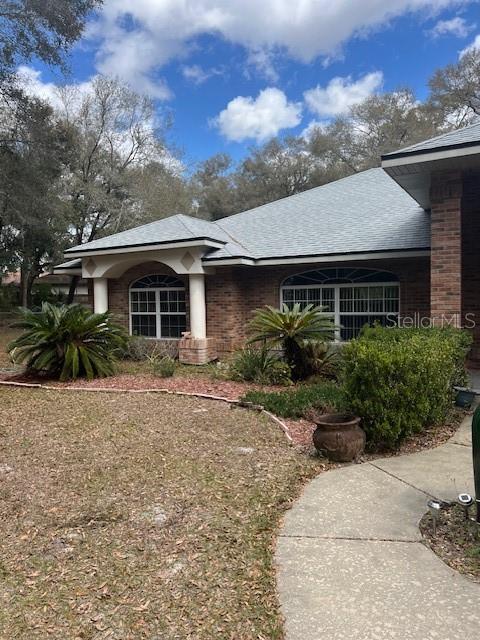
60,285
396,244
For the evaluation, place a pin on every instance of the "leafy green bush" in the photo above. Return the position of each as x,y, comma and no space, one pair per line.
290,329
400,381
294,403
9,296
319,359
162,366
67,342
259,365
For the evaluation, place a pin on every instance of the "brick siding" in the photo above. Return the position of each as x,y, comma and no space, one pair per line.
471,259
446,247
233,293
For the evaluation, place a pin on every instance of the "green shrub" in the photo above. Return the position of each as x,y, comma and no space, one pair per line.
294,403
162,366
67,342
259,365
400,381
291,329
9,296
319,359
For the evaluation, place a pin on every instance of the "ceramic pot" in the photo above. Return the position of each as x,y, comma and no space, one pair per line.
339,436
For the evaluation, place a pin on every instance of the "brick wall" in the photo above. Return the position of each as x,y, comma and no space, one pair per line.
446,247
471,259
233,293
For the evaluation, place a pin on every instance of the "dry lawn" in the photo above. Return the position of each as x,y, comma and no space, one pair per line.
139,516
6,336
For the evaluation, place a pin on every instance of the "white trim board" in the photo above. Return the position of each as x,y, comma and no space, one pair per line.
348,257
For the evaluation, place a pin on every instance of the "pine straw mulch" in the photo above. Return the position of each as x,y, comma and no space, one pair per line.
457,540
126,516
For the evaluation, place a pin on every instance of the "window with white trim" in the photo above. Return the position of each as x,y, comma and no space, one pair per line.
157,307
352,297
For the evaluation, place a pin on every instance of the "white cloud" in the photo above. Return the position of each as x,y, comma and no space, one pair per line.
136,39
258,118
31,80
455,27
341,93
196,74
473,45
262,60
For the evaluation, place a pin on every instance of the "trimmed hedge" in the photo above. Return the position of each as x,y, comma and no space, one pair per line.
401,380
293,403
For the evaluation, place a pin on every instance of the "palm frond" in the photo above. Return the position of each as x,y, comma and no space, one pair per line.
67,342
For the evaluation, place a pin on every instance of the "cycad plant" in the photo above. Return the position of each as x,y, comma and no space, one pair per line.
67,342
291,329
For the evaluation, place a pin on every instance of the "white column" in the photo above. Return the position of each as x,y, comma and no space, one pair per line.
100,295
198,312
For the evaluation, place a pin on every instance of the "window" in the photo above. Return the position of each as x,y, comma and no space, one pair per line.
157,307
352,297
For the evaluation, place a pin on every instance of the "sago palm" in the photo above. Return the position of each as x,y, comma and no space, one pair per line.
291,328
67,342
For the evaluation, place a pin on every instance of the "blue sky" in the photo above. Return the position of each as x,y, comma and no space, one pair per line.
235,72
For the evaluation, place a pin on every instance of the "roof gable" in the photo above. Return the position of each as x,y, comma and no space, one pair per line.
177,228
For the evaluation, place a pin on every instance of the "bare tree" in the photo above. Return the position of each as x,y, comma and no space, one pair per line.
455,90
379,124
113,130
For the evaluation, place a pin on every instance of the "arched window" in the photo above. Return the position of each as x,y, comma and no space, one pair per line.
352,297
157,307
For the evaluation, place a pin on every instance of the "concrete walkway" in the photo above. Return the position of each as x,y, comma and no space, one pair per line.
351,565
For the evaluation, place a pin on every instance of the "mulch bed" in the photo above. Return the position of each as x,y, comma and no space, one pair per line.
195,384
457,540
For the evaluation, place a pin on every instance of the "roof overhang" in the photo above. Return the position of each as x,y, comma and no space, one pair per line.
77,252
413,170
71,268
310,259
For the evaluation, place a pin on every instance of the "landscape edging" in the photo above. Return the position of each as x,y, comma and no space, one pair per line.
238,403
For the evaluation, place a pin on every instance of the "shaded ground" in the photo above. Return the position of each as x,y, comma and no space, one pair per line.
6,335
456,541
139,516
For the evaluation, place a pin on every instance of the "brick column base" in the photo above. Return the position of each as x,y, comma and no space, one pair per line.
196,350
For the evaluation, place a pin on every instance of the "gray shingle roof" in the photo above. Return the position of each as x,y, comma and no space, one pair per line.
365,212
70,264
467,136
173,229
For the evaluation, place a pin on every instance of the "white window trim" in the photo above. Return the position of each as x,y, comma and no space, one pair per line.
343,285
157,313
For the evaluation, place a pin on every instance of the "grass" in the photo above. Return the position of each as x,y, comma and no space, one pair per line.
292,403
137,517
6,335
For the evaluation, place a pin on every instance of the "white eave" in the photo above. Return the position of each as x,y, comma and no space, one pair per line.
413,171
107,251
345,257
